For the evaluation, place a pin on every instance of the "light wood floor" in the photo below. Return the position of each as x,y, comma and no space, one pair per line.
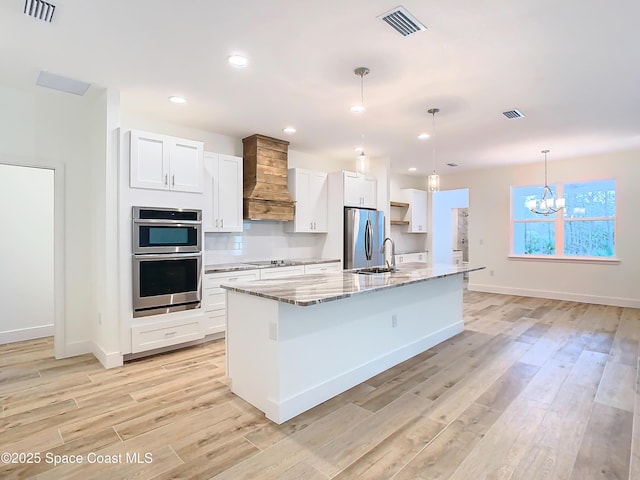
533,389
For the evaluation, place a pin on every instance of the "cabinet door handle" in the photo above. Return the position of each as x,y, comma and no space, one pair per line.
216,223
166,179
169,334
222,223
173,180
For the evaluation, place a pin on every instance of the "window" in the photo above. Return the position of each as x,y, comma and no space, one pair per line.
584,228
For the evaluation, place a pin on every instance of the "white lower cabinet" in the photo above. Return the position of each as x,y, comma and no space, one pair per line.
165,333
214,299
281,272
412,257
322,268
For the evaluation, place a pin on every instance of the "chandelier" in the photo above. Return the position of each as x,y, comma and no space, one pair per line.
433,180
548,203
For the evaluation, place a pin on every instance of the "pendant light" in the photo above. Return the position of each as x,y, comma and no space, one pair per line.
362,160
433,180
548,203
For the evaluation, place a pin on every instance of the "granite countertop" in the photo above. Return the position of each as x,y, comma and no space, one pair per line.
255,264
313,289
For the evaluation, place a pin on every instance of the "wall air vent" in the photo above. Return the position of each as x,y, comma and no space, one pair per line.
402,21
39,9
513,114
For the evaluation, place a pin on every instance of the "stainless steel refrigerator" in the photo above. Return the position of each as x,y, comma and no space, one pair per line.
363,236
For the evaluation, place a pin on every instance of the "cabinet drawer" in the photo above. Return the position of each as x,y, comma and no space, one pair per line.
214,299
150,336
281,272
212,280
323,268
215,322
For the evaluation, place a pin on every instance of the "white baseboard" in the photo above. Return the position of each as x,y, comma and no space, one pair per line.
553,295
294,405
22,334
108,360
77,348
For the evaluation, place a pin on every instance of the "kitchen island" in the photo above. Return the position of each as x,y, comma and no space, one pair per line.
293,343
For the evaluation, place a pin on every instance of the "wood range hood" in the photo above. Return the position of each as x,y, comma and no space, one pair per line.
265,192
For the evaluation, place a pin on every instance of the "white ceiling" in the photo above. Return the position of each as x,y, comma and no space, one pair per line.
572,67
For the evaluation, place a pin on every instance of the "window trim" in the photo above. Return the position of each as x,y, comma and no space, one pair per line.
559,222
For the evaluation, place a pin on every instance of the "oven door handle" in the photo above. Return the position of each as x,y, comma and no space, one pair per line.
165,256
169,223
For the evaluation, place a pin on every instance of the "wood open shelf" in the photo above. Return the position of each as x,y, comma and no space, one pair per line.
399,204
399,222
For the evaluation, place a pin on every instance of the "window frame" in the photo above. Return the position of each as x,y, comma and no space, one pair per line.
559,222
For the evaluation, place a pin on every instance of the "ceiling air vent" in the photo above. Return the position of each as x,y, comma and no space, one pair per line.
39,9
513,114
402,21
452,164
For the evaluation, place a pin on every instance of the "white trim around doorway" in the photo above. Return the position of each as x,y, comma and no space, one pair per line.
59,331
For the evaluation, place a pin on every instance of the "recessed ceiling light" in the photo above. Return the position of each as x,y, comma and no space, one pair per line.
289,130
178,100
424,136
357,109
238,60
412,169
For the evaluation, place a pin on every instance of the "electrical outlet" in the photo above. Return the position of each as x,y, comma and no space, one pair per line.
394,320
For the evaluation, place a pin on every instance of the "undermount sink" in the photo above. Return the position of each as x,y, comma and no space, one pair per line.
374,270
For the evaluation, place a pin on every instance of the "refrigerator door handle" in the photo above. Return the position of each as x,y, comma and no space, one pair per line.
367,240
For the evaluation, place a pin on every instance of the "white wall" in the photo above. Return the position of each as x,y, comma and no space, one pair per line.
102,122
49,127
442,203
26,253
489,223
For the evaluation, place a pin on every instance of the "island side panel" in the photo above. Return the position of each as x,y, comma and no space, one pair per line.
322,350
252,348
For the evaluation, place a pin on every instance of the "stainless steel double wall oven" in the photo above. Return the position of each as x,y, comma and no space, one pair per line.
167,260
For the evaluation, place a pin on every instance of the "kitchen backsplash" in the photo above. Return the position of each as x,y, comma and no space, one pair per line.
261,240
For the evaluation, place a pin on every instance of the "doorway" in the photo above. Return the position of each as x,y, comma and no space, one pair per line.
31,252
461,231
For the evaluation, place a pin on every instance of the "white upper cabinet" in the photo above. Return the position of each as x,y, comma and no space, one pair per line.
222,210
359,191
309,191
417,211
161,162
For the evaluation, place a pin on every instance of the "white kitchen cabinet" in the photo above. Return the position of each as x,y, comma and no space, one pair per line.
322,268
161,162
157,334
214,298
281,272
309,191
420,257
222,211
417,211
359,191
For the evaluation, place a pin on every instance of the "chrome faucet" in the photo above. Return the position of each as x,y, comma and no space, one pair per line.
393,254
